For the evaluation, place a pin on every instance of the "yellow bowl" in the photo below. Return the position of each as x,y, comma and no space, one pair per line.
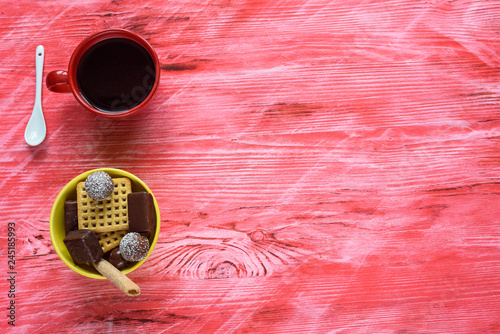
56,226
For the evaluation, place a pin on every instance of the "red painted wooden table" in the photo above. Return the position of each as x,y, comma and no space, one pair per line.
320,166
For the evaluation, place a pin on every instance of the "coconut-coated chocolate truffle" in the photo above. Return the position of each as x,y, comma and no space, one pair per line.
134,247
99,185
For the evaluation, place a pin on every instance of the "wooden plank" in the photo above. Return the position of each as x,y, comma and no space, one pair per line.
321,167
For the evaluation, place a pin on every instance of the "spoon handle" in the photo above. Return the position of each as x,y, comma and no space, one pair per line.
40,54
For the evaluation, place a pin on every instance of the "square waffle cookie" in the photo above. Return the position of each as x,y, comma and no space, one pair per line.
110,240
107,215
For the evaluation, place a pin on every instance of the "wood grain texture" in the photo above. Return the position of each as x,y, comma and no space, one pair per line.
321,166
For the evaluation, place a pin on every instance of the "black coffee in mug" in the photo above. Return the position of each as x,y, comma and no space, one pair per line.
115,74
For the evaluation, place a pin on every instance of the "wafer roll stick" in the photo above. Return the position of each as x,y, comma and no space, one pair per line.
116,277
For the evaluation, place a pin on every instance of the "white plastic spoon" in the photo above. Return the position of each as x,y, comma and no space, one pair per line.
35,130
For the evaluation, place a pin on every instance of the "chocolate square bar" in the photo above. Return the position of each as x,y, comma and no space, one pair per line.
141,212
83,246
70,216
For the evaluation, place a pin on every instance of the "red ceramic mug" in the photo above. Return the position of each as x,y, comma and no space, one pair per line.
113,73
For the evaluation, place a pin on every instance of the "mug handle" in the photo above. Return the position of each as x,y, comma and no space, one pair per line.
58,81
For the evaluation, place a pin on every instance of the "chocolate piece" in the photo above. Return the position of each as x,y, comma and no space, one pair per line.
134,247
116,258
83,246
99,185
141,212
70,216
